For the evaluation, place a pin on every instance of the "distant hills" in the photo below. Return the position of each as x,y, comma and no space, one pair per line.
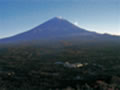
57,29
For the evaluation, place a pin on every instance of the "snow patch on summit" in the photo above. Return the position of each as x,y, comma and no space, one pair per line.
59,17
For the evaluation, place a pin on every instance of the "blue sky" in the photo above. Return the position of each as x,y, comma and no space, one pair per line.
17,16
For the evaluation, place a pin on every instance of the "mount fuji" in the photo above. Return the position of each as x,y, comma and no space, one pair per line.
57,29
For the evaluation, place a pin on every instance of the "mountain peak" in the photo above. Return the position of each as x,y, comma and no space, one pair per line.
59,17
56,20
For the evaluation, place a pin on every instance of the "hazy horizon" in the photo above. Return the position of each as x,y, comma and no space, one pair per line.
99,16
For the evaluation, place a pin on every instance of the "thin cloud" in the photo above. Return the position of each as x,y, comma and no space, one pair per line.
76,23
